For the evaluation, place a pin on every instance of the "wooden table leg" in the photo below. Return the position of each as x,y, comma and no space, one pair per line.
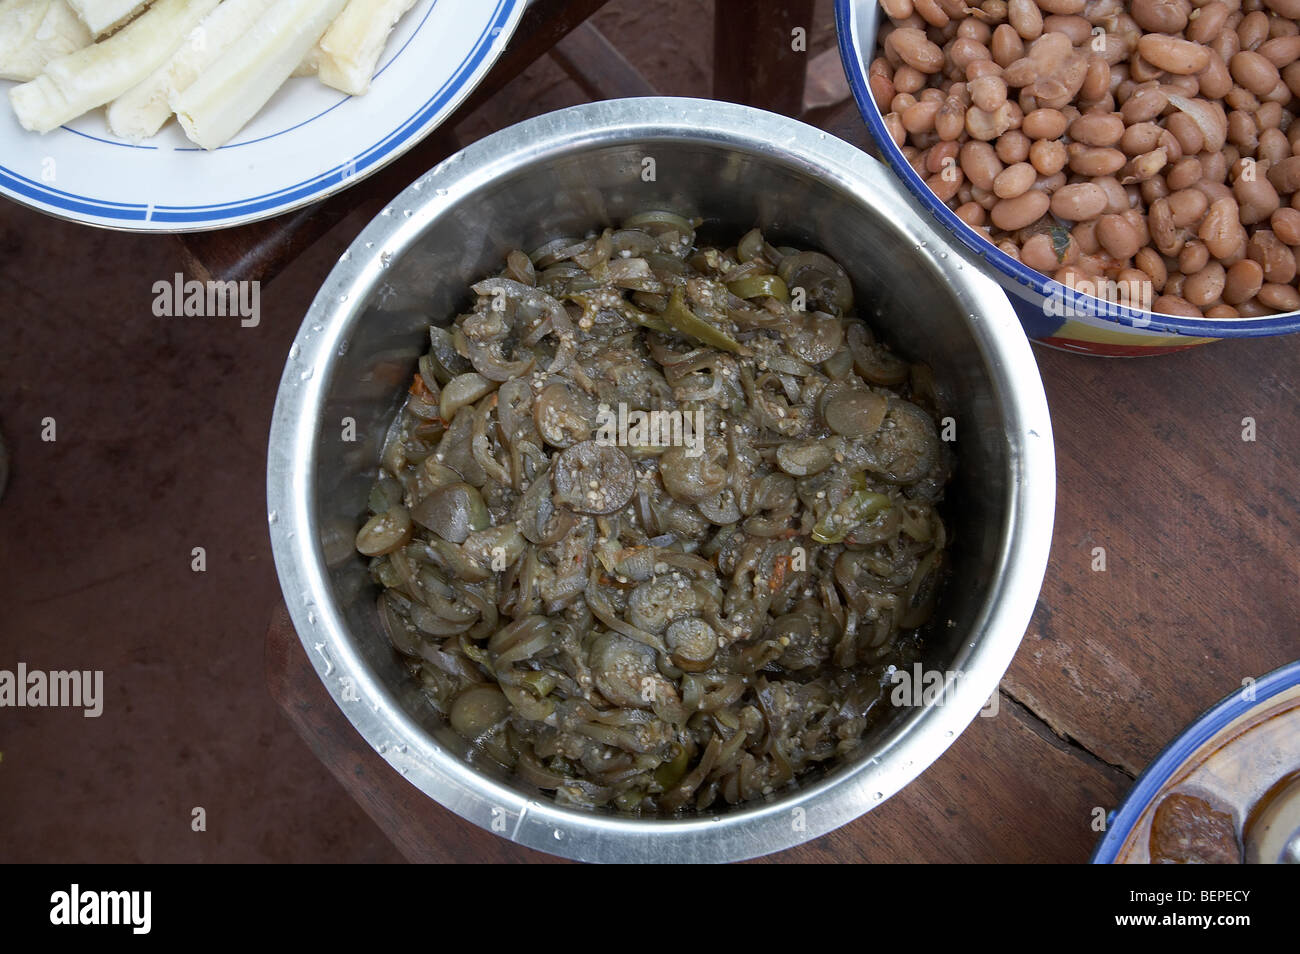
598,67
757,59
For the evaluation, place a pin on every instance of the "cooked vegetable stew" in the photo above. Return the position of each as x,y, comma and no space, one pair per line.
657,518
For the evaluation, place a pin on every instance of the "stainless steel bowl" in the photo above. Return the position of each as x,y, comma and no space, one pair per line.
580,169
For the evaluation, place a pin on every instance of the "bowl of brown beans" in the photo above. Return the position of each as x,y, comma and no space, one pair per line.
1127,170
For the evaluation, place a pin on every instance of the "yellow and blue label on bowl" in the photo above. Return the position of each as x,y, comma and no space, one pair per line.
1114,323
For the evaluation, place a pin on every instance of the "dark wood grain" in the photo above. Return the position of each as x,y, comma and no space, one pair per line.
1007,791
1199,529
544,24
754,61
260,250
843,120
598,67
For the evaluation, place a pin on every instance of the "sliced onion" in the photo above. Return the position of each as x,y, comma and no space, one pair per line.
821,277
1209,118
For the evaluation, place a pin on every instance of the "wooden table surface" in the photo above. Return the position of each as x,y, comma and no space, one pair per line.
1200,590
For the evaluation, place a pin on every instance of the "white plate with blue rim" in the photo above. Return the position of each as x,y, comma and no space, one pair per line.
307,142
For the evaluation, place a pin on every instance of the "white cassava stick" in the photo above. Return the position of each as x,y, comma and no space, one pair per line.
142,110
90,77
33,32
351,47
232,91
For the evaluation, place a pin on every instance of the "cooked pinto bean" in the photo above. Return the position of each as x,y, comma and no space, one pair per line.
1162,132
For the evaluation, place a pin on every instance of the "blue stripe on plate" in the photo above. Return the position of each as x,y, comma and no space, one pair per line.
107,142
66,200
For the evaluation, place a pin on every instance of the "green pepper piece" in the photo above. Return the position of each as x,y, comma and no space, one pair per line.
477,654
755,286
629,800
539,684
855,510
1060,241
591,302
581,283
669,773
643,318
686,322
